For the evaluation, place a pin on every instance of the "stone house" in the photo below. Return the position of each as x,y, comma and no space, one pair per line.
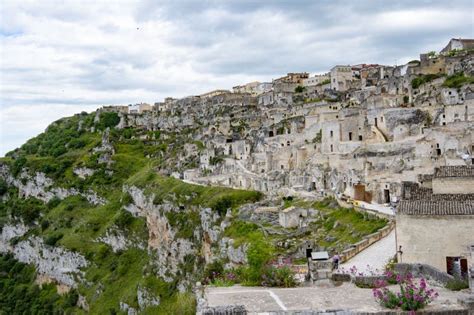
250,88
340,76
214,93
266,98
139,108
292,217
450,96
435,226
263,87
316,80
458,44
294,78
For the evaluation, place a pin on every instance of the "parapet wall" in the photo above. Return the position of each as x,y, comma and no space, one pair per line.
367,241
419,270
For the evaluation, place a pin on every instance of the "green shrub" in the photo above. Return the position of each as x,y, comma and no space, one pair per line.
20,295
76,144
213,270
278,277
214,160
108,120
416,82
327,81
18,165
457,284
457,80
53,202
52,239
222,205
300,89
3,187
44,224
124,219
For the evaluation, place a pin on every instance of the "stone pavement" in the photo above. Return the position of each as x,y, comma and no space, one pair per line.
375,256
345,297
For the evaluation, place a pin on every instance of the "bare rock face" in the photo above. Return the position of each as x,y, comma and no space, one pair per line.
8,233
41,187
236,255
124,307
57,263
119,241
168,250
146,298
83,172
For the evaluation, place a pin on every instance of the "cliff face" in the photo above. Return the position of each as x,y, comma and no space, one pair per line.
99,222
86,205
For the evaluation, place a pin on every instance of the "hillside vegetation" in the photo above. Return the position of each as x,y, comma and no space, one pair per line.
107,197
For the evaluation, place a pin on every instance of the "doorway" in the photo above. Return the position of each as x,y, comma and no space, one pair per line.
386,195
457,267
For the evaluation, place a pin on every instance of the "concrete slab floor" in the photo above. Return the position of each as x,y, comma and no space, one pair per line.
344,297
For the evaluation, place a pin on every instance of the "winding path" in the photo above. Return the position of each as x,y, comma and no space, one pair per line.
376,255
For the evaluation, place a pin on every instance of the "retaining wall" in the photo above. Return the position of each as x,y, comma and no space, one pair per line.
418,270
367,241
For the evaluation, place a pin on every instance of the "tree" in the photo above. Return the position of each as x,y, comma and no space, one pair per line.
300,89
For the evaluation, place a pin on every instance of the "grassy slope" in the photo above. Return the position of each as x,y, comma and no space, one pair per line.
75,224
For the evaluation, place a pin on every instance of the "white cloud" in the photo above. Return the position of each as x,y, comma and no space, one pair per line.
56,54
22,122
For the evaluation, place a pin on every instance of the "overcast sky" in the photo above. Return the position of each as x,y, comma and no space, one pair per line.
63,57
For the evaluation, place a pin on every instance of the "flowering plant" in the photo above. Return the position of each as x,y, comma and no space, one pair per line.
412,296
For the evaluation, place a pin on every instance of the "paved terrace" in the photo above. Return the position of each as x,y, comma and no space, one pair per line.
343,297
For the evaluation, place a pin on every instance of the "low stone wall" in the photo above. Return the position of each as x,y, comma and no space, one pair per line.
341,277
368,281
424,270
367,241
388,312
225,310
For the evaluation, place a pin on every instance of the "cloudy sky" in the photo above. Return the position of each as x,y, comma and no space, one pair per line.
63,57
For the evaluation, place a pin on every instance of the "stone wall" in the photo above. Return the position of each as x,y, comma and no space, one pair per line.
453,185
423,270
430,239
366,242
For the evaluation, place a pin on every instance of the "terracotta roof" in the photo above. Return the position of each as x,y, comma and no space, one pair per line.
454,171
432,207
417,200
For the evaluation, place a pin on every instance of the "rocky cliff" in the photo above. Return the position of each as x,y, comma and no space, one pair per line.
88,213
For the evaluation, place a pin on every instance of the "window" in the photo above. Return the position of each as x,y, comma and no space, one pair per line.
360,137
350,136
330,133
331,148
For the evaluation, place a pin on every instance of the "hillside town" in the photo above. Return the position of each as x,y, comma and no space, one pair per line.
309,194
395,141
358,131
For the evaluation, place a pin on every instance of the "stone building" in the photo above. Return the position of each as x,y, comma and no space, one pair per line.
458,43
139,108
340,77
436,226
316,80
